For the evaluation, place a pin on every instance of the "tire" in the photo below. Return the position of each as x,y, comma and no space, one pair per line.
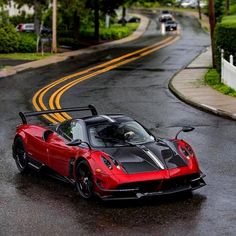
20,155
84,180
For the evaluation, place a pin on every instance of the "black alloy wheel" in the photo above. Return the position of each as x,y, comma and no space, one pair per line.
20,155
84,180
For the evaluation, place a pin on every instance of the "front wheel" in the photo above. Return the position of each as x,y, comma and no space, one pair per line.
84,180
20,155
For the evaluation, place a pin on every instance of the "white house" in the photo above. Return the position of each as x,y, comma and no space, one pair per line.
13,10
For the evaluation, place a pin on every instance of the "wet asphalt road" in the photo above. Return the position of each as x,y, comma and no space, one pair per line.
37,205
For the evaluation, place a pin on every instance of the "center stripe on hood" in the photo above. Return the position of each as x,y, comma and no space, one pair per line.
154,158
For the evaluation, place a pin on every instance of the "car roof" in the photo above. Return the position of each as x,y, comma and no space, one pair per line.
110,118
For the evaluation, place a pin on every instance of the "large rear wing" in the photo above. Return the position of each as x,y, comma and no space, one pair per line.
24,115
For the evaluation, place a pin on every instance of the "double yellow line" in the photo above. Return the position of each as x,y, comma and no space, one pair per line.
54,100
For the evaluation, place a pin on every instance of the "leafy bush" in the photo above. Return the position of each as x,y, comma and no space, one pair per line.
147,4
27,42
12,41
116,31
225,38
233,9
71,42
9,39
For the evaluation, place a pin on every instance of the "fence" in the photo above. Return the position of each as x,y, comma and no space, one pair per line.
228,71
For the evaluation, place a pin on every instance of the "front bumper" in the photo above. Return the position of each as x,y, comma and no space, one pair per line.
135,193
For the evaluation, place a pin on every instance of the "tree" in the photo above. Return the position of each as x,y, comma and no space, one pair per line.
104,6
3,14
39,6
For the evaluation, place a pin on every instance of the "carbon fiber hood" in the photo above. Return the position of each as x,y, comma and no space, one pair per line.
149,157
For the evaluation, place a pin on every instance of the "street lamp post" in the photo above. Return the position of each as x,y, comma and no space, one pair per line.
54,26
212,22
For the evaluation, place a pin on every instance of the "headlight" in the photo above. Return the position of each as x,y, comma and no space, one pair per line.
184,151
189,149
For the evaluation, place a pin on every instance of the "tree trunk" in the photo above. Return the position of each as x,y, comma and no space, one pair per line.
76,25
123,16
37,21
212,22
199,10
227,4
96,18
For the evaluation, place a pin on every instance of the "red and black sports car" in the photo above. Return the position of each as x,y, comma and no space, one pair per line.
112,156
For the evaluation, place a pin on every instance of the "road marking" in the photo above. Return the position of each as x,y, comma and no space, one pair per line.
55,98
96,70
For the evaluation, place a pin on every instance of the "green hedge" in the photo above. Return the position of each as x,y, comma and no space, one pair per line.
27,42
116,31
13,41
9,39
225,38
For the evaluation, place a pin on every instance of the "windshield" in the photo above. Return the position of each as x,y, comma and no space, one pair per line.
118,134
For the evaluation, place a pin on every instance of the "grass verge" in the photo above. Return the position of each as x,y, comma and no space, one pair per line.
24,56
212,78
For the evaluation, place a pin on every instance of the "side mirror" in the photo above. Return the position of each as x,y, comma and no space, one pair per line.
184,129
187,129
77,142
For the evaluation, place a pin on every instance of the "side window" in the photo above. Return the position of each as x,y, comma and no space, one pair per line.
71,130
65,130
76,130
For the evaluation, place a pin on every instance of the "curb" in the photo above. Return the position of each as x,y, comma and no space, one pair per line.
73,54
202,107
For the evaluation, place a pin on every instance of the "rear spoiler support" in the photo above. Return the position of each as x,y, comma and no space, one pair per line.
24,115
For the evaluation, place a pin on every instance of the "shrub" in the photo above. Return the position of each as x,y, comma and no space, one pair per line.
27,42
212,78
71,42
9,39
233,9
225,38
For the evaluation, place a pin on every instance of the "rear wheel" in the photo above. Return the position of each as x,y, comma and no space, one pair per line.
20,155
84,180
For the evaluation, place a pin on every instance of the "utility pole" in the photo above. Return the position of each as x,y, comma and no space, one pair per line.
212,22
199,9
54,26
96,18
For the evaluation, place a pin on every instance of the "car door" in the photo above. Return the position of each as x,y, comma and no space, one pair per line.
59,152
36,146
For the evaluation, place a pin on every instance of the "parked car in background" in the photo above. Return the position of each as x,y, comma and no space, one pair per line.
170,25
165,16
29,28
134,19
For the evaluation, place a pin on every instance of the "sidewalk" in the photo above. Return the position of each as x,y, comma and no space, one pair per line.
67,55
188,85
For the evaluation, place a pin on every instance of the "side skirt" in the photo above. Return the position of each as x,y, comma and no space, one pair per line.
40,167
